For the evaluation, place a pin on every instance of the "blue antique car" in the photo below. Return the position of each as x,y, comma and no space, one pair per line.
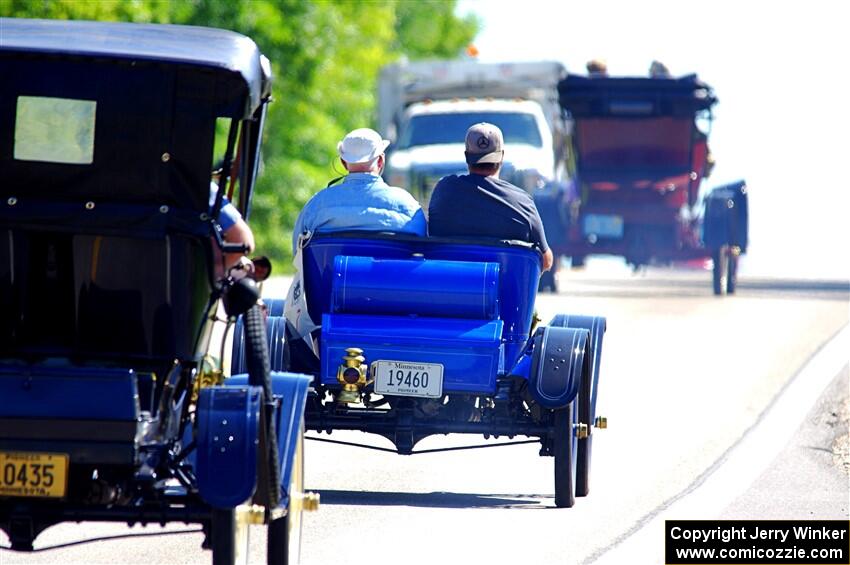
424,336
115,402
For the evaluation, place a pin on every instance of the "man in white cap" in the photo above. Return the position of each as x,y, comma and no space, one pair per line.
481,204
362,201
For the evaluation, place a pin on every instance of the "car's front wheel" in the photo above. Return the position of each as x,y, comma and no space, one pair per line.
229,538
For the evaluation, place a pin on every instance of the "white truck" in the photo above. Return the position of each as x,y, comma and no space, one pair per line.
425,108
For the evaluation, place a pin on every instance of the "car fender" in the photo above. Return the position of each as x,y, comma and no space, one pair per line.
558,363
725,218
596,325
291,389
228,433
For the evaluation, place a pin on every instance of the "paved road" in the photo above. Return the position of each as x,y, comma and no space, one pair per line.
684,376
804,479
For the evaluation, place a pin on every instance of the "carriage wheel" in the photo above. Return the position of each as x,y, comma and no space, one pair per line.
284,538
564,450
229,538
584,445
547,281
720,271
732,273
259,374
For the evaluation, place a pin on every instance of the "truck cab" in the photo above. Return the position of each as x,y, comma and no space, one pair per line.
431,143
426,107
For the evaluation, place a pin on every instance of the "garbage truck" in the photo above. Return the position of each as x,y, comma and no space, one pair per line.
426,107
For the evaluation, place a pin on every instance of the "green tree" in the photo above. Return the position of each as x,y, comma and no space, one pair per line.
429,29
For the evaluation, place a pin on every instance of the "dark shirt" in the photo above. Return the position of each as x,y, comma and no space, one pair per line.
478,206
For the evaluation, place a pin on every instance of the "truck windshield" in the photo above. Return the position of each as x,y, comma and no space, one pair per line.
433,129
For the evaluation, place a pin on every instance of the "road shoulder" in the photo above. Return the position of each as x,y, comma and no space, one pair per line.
809,478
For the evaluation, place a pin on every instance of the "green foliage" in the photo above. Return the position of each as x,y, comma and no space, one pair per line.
325,54
429,29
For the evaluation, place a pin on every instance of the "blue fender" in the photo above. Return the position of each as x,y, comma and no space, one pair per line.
725,216
228,432
291,389
596,325
558,364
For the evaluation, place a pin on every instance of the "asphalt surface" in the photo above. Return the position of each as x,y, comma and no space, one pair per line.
684,376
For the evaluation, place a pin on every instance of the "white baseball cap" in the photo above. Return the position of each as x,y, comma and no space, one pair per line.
361,146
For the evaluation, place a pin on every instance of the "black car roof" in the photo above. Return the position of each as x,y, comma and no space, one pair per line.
599,96
157,92
213,49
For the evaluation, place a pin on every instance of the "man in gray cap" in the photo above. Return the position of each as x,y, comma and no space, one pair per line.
362,201
481,204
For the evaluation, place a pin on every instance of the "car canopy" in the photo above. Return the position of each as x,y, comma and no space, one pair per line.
119,112
636,129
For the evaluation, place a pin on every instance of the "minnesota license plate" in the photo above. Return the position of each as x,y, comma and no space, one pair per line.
603,225
405,378
33,474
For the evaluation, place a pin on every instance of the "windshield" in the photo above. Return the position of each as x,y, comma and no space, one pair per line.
433,129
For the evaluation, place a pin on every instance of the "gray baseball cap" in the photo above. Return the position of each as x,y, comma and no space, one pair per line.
484,144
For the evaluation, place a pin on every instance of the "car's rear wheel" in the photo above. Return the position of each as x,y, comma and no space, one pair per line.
564,449
584,445
548,282
229,538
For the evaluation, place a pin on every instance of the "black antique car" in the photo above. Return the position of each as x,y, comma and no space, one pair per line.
115,401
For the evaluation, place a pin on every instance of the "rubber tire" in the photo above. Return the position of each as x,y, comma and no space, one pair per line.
284,534
547,282
720,270
563,449
584,446
230,542
259,374
732,274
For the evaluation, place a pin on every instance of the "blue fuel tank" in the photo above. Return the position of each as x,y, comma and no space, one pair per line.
415,287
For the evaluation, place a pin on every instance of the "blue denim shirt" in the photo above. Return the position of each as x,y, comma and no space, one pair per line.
362,201
229,215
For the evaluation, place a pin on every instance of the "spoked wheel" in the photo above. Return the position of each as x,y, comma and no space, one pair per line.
284,539
564,449
720,271
229,538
